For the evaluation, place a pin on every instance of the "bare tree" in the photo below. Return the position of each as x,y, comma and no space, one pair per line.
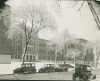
27,20
55,44
65,42
86,51
96,50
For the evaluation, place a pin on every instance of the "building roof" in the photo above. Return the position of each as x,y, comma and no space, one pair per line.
43,40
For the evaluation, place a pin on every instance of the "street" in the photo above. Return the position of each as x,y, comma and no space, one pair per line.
44,76
39,76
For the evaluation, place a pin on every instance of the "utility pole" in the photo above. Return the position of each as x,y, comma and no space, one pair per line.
74,57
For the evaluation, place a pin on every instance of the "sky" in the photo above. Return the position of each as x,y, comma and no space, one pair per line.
79,23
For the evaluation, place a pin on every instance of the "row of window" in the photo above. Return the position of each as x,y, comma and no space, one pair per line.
51,52
31,42
50,58
30,49
42,51
16,47
42,44
16,56
30,58
27,57
44,58
17,40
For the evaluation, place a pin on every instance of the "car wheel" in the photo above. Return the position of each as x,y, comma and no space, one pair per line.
74,77
85,78
94,77
14,72
53,70
40,71
66,69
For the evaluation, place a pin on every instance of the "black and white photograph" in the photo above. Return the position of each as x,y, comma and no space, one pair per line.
50,40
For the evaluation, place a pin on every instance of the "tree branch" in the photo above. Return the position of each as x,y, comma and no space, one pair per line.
20,24
38,30
94,15
18,16
75,3
81,6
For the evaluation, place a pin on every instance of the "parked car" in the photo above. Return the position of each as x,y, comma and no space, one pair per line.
25,69
83,71
47,68
61,68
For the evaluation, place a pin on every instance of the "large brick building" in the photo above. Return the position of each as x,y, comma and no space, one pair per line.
37,50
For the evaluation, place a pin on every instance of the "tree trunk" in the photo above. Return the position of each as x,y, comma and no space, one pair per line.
65,59
65,55
90,3
55,55
74,57
84,61
97,62
24,53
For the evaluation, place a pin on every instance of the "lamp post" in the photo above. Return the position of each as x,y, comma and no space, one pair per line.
75,56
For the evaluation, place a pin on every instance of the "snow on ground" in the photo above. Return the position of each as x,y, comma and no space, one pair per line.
8,68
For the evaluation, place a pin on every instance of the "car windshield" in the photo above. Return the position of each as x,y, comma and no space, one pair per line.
27,65
33,65
88,68
52,65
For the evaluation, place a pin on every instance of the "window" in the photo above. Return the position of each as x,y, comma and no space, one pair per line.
19,41
44,57
43,44
39,57
34,46
27,57
33,58
13,39
27,65
30,57
40,44
30,42
40,50
13,46
32,49
18,56
43,51
18,48
29,49
52,58
48,58
33,65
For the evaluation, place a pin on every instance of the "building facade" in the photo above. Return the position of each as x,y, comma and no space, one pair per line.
37,49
